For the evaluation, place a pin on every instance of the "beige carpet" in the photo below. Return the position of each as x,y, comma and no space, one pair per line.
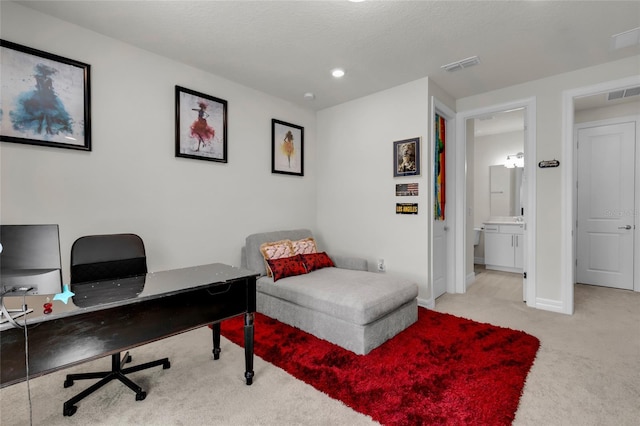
587,372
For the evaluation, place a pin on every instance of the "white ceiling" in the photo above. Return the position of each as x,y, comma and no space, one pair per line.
287,48
502,122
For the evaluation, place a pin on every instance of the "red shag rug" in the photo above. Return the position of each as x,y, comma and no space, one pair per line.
442,370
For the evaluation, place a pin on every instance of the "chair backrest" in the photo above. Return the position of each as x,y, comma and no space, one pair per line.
105,257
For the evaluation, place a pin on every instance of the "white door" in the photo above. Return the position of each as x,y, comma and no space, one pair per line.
605,227
439,258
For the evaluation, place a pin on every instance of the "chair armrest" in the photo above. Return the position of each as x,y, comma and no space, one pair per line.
350,262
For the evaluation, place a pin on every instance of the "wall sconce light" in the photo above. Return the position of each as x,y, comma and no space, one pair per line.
515,160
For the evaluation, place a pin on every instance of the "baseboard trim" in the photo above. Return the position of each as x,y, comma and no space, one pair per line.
550,305
471,277
427,303
504,269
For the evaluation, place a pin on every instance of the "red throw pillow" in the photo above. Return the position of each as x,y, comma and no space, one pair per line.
286,267
315,261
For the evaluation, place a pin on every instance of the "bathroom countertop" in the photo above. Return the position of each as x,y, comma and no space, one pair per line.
503,221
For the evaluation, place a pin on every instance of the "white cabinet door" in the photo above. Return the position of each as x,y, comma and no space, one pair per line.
518,242
498,249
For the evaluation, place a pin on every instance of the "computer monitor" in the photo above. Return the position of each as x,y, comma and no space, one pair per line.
30,259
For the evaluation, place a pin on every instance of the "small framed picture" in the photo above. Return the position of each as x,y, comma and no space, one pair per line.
287,148
201,126
45,98
406,157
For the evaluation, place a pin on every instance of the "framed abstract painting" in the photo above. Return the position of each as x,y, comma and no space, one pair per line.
46,98
287,148
201,126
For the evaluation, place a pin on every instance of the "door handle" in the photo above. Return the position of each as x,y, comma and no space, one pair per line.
624,227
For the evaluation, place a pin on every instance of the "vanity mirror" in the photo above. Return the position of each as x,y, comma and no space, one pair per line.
505,190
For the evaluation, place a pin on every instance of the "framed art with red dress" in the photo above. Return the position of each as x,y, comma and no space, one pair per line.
201,126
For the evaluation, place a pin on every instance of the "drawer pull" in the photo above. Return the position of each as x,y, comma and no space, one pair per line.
219,289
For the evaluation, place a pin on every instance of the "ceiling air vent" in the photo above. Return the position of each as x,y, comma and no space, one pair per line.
632,91
624,93
464,63
618,94
625,39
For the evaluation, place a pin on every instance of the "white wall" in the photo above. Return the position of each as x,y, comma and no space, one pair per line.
548,94
188,212
356,187
614,111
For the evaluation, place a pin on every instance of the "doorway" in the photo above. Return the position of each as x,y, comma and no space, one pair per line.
464,215
568,235
441,265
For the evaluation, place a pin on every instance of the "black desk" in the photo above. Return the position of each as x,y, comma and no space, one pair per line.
94,323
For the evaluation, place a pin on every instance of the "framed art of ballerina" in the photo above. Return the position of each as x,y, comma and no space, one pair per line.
201,126
45,98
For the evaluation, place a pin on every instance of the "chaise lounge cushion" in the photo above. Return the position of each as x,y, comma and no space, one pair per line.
353,296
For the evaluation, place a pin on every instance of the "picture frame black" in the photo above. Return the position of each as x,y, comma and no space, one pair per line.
287,148
406,157
46,98
201,126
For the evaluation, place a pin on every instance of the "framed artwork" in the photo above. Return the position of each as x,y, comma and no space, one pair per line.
407,189
201,126
46,98
287,148
406,157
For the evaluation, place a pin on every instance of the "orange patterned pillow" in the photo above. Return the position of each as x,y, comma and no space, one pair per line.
304,246
276,250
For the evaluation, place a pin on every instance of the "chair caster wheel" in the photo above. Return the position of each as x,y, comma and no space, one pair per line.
68,383
166,365
69,411
140,396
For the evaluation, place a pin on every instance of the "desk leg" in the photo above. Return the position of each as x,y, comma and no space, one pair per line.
215,329
248,347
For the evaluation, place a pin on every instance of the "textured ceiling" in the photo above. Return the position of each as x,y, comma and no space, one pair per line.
287,48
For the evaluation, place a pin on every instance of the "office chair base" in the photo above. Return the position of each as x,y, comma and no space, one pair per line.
116,373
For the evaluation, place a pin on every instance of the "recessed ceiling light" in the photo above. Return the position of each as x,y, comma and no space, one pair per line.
337,73
309,96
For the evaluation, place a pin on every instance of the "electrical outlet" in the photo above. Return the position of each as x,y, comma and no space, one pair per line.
381,265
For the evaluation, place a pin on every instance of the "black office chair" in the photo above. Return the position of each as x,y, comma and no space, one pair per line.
108,257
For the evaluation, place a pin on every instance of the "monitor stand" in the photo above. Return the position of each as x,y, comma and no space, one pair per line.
14,313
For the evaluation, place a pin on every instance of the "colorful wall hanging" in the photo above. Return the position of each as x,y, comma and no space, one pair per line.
439,167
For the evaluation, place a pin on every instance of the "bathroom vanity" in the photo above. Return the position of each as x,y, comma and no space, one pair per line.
504,245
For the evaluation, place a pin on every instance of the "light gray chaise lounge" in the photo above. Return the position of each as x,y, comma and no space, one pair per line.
346,305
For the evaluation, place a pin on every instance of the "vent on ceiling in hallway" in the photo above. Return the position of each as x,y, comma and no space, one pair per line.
625,39
464,63
624,93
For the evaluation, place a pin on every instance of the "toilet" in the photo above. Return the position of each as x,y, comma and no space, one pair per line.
476,236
